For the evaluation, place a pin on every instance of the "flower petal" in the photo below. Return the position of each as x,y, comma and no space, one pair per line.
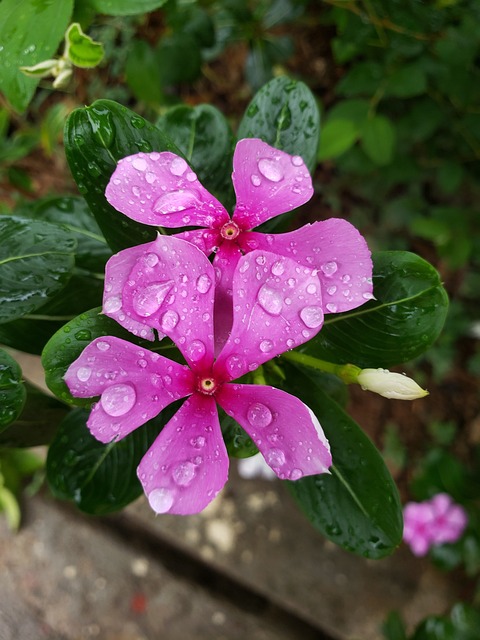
170,287
277,305
267,182
336,249
162,190
134,384
187,465
205,239
284,429
225,263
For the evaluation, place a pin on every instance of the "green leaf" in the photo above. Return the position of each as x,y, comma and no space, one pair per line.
30,31
178,59
379,139
402,323
355,111
12,390
284,114
96,138
10,507
337,137
408,81
99,478
204,136
394,628
357,506
80,49
126,7
36,261
142,73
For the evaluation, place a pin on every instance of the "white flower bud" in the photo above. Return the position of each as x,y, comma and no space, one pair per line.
390,385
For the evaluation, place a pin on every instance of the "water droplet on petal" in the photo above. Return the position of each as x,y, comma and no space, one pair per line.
331,290
297,161
149,299
368,296
270,169
198,442
175,201
169,320
118,399
331,307
278,268
151,260
296,474
184,473
196,350
161,500
84,373
256,180
275,458
150,177
203,283
102,345
329,268
270,300
140,164
312,317
259,415
311,288
235,365
260,260
113,304
178,166
266,346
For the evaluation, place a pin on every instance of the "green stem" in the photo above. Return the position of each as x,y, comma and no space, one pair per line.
346,372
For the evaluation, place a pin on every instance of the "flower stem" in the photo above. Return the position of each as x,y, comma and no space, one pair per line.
346,372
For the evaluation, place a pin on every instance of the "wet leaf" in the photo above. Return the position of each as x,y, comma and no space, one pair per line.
126,7
12,390
284,113
402,323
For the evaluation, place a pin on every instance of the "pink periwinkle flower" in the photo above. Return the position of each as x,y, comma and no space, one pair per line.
160,189
432,522
275,308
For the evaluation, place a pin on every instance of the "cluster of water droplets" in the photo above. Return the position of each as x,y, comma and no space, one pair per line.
274,170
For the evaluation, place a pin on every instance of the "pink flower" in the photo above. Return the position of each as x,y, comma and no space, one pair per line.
160,189
435,521
275,308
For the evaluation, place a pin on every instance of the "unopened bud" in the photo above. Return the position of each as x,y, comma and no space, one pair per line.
390,385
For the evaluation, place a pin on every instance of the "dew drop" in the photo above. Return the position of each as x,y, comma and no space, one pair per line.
259,415
102,345
113,304
235,365
329,268
118,399
169,320
203,283
278,269
311,288
178,166
84,373
149,299
296,474
260,260
312,317
255,180
140,164
175,201
151,260
196,350
266,346
270,300
184,473
150,177
161,500
331,307
331,290
270,170
297,161
198,442
368,296
275,458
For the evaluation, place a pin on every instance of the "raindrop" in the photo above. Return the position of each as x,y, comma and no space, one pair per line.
149,299
331,290
161,500
297,161
113,304
136,191
184,473
368,296
196,350
329,268
311,288
275,458
140,164
175,201
296,474
84,373
235,365
118,399
178,166
102,345
312,317
266,346
331,307
278,269
151,260
169,320
259,415
203,283
256,180
270,300
198,442
150,177
270,170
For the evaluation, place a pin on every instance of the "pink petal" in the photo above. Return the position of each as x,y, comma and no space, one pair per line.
134,384
205,239
225,263
160,189
187,465
285,430
267,182
336,249
170,287
277,305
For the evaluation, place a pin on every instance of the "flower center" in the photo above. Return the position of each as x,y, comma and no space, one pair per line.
208,385
230,230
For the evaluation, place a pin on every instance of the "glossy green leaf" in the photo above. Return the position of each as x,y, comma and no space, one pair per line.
378,139
12,390
402,323
96,137
204,136
98,478
36,261
30,32
284,113
357,506
81,49
337,137
126,7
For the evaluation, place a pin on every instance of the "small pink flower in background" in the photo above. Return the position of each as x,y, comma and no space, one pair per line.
171,287
160,189
432,522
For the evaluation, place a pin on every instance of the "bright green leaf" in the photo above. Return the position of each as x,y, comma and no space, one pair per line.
379,139
81,49
337,137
